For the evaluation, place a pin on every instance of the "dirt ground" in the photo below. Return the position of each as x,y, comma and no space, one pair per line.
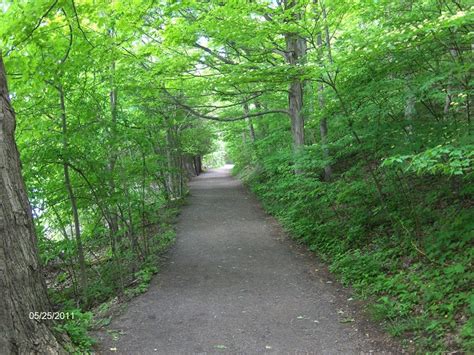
235,283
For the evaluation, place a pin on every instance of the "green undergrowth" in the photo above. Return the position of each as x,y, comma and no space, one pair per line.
410,254
110,283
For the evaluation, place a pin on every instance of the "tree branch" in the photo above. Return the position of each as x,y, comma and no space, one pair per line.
219,119
66,55
34,28
79,22
214,54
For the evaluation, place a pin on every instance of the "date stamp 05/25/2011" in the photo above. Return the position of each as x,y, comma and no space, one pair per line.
51,315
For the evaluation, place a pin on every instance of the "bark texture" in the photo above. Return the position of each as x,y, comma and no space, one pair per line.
22,287
296,49
295,52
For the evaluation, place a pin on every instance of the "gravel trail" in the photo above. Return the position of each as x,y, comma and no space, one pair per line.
234,283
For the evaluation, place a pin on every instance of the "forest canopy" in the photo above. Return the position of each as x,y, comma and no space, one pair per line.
350,120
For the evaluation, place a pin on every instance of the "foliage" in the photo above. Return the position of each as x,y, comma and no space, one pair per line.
76,326
395,218
115,100
446,160
106,154
218,157
421,285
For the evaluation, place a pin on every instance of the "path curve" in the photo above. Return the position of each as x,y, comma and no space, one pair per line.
233,283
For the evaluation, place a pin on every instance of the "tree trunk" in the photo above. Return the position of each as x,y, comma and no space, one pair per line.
113,215
250,123
72,198
323,124
113,157
323,129
22,287
197,164
449,89
296,48
181,175
131,230
295,53
170,160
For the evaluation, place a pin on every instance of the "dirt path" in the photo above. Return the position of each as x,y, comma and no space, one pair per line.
235,284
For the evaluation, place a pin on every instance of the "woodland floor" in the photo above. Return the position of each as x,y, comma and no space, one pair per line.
235,283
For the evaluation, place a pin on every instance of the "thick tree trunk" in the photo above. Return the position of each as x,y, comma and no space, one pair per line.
296,48
22,287
295,53
197,161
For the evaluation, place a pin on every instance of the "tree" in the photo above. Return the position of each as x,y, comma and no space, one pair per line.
22,286
294,54
118,102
